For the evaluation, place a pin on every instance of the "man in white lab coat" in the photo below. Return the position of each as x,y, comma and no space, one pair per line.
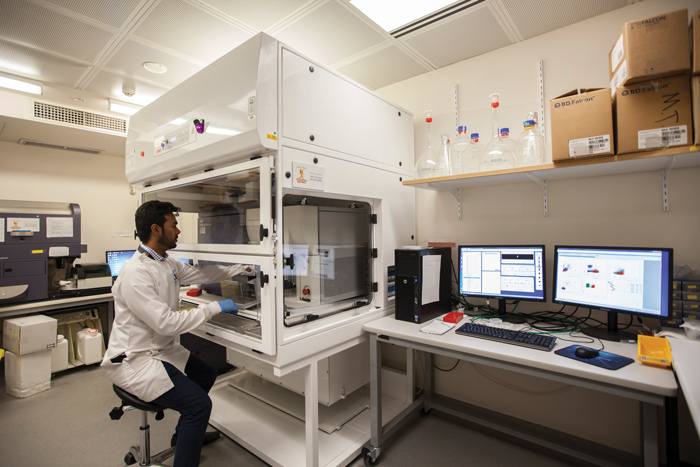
143,356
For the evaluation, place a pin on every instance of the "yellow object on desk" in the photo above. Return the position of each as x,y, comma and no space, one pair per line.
654,351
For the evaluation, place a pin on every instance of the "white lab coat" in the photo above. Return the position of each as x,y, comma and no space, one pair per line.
147,321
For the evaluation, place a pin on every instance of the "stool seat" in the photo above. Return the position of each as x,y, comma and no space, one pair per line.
135,402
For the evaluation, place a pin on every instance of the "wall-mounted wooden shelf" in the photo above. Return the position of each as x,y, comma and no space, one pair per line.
663,160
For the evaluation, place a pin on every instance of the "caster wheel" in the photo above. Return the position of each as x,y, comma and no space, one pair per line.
129,459
369,461
424,412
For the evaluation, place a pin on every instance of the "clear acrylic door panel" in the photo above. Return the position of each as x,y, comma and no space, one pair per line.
254,294
223,210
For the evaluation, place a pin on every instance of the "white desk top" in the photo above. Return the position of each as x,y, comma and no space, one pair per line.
635,376
685,354
53,304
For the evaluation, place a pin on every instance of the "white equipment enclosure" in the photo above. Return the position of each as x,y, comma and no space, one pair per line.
281,163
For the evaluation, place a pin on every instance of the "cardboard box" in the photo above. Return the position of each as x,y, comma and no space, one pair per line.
653,115
695,41
650,48
26,375
581,124
29,334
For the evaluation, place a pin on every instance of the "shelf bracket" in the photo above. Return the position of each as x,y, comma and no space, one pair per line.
664,180
457,193
543,184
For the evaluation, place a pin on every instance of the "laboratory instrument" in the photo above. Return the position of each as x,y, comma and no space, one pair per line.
288,175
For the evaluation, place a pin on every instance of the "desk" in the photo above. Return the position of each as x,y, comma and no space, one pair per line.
652,387
685,363
63,304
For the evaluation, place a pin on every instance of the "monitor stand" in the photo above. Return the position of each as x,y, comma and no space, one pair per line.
611,333
505,317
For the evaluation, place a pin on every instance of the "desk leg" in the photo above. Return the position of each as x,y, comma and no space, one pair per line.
375,400
428,374
311,400
649,420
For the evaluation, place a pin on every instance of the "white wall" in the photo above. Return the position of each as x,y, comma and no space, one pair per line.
97,183
608,210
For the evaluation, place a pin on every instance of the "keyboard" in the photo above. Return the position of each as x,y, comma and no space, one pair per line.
508,336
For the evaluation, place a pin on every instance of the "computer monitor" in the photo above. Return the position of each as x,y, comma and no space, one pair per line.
514,272
116,260
614,279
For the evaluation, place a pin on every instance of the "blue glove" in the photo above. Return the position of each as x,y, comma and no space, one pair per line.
228,306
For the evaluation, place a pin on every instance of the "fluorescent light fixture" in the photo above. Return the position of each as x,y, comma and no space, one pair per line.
178,121
123,107
20,84
391,14
221,131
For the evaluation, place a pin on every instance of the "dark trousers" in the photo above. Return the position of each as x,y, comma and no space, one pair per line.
190,398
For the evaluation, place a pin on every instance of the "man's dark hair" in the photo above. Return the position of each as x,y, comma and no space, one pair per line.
149,213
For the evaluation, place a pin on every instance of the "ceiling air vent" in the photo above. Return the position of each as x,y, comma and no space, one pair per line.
79,118
29,142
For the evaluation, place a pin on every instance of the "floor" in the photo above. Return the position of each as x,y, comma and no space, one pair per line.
69,425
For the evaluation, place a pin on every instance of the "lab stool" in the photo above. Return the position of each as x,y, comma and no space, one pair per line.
141,452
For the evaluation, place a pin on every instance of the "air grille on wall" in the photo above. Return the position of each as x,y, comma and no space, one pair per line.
79,118
41,144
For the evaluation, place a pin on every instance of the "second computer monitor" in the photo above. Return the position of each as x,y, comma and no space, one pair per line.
512,272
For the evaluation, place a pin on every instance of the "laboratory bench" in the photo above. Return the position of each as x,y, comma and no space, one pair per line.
654,388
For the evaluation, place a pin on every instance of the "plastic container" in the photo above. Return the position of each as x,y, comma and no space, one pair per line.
59,355
654,351
425,168
530,148
89,347
474,154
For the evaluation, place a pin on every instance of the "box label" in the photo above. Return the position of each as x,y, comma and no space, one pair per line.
589,146
617,53
663,137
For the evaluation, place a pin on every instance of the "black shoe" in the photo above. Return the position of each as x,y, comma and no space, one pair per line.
209,437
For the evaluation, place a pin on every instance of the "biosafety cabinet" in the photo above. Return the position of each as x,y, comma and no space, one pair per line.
281,163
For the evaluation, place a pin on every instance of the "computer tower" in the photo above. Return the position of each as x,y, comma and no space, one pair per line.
423,286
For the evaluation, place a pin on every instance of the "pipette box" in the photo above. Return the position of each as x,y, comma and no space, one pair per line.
654,351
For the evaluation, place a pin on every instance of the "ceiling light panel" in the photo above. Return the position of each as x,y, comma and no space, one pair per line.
190,31
114,13
131,56
256,14
542,16
330,33
392,14
34,64
45,29
472,32
383,67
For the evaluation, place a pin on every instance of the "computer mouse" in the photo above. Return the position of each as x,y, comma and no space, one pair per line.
586,352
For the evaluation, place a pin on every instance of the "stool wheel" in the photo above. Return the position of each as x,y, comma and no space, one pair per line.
129,459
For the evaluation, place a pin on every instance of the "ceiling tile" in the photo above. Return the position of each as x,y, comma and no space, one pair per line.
43,28
258,14
330,34
30,63
131,56
110,84
535,18
386,66
110,12
472,32
190,31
